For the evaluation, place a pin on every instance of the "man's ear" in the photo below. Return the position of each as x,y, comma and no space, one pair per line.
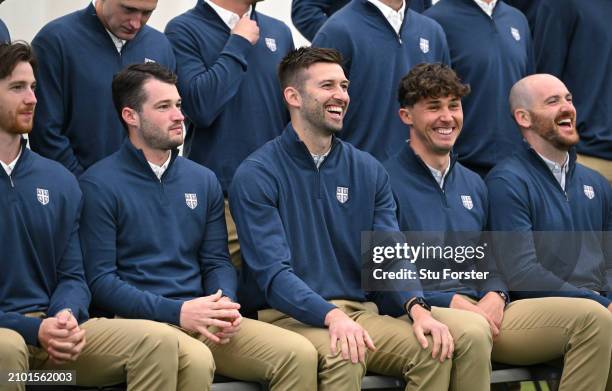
405,114
292,97
130,116
523,118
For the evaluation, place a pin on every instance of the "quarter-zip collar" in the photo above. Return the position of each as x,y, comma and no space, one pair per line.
296,148
204,10
413,163
141,165
534,158
373,10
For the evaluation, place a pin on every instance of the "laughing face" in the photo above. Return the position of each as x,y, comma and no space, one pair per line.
325,97
435,124
553,115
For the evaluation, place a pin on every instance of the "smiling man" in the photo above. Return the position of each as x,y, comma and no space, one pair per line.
301,202
79,53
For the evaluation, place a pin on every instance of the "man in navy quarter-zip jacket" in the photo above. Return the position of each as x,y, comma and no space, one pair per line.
309,15
435,193
44,321
78,55
566,36
380,41
542,188
490,49
227,54
301,202
155,247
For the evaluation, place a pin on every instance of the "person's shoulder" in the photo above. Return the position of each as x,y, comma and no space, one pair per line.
102,170
512,168
43,167
189,169
60,27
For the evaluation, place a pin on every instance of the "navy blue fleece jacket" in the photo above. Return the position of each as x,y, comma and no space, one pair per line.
76,123
300,244
309,15
424,206
229,87
4,33
525,197
376,58
567,35
42,265
490,54
149,245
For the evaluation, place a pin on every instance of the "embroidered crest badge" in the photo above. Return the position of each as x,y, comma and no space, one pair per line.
589,192
191,199
342,194
271,44
148,60
424,45
515,33
466,200
42,195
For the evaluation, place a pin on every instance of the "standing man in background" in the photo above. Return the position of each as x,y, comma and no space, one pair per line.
78,54
227,54
567,33
309,15
380,41
490,48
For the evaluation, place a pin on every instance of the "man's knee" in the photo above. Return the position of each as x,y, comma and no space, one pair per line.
596,316
197,360
13,350
473,336
302,353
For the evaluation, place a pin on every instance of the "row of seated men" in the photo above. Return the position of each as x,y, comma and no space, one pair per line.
142,235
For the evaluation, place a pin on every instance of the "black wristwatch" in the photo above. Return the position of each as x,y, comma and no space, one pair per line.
503,295
417,301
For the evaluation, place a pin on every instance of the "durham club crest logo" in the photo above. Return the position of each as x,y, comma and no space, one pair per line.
191,199
589,192
271,44
515,33
466,200
342,194
424,45
42,195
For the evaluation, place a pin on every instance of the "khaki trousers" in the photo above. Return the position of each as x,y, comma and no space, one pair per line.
232,238
577,330
156,356
398,353
141,352
604,167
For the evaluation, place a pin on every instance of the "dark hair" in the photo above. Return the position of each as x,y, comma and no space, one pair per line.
13,53
291,68
128,85
430,81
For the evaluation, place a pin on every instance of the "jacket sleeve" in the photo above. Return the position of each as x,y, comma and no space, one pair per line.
517,258
98,238
253,197
309,15
217,270
26,327
385,220
47,136
71,290
206,88
336,36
